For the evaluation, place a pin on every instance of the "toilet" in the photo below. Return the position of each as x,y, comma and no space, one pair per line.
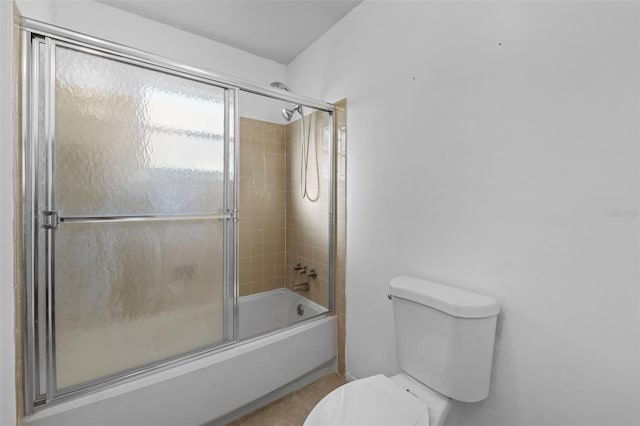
444,345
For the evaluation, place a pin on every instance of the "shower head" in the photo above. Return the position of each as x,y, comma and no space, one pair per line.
279,85
287,113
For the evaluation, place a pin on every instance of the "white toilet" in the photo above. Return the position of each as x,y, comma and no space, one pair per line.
444,344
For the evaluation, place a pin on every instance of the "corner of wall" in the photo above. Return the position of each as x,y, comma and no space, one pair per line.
17,187
8,119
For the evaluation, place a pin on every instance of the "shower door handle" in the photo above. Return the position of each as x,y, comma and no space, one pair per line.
141,218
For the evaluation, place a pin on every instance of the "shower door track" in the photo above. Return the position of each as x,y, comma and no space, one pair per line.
159,63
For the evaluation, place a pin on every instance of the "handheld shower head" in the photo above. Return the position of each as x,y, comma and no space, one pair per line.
288,114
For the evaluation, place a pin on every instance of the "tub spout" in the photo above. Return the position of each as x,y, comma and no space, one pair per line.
301,287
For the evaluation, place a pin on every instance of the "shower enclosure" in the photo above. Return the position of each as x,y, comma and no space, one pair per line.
284,200
155,213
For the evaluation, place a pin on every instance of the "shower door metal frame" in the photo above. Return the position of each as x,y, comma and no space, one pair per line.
42,216
35,33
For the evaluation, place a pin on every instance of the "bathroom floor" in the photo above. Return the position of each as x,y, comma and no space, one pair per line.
294,408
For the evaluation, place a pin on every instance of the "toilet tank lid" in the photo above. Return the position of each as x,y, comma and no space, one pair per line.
454,301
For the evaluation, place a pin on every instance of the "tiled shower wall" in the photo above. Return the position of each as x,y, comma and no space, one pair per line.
262,206
278,228
308,221
281,229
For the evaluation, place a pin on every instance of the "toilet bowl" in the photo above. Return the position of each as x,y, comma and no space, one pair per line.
444,345
378,401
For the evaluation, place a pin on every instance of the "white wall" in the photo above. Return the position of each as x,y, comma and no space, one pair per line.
487,144
102,21
7,343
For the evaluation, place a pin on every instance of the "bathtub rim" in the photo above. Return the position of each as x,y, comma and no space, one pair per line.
321,310
281,290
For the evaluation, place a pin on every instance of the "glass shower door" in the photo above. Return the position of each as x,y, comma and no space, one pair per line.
138,215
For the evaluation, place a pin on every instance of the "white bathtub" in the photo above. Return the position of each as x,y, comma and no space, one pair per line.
272,310
213,386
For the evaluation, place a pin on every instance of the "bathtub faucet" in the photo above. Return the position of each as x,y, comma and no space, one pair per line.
301,287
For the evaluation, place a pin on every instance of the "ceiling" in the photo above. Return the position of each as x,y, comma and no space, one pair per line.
274,29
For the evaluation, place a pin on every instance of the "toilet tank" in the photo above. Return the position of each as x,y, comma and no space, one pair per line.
445,336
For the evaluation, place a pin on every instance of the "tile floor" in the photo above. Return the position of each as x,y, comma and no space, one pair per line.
294,408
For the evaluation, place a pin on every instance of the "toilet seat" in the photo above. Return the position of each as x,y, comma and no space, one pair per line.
371,401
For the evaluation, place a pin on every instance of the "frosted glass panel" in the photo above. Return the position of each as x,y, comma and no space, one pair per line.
130,140
129,294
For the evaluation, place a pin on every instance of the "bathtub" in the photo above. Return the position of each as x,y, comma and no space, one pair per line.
273,310
221,383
